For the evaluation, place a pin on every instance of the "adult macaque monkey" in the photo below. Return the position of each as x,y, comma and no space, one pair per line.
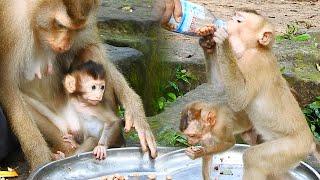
65,32
253,83
214,127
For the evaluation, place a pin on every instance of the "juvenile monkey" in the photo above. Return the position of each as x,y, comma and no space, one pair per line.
247,70
84,120
214,127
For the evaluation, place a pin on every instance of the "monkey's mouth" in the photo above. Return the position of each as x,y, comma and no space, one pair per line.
93,102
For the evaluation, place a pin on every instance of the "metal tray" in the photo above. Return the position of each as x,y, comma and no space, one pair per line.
173,162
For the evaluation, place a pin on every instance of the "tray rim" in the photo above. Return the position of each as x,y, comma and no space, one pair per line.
174,150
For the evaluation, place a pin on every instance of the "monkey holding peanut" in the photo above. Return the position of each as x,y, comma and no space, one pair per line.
214,127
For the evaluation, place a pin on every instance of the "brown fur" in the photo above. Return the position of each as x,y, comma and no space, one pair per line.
254,85
214,130
18,47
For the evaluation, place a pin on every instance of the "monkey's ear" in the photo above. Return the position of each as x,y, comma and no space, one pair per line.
211,118
266,38
70,83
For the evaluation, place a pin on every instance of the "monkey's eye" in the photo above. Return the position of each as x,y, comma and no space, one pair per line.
93,87
102,87
59,25
239,21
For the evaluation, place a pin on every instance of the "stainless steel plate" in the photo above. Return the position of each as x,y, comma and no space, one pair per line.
173,162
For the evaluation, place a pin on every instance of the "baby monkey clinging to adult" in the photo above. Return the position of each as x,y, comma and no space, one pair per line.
85,85
214,127
85,122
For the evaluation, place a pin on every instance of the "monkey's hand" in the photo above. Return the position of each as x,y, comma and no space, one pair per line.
205,31
58,156
207,43
195,152
100,152
69,138
220,35
144,132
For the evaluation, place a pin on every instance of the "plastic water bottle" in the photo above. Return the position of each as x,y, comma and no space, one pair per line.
193,18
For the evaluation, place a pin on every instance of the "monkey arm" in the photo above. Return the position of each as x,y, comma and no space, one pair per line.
45,111
219,147
209,49
225,138
238,87
206,167
105,134
22,124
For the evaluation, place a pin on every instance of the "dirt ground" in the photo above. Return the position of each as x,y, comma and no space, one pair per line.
280,12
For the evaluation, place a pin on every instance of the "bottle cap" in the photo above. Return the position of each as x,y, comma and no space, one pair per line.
220,24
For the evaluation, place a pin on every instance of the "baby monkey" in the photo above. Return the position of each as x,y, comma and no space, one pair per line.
85,85
212,126
86,122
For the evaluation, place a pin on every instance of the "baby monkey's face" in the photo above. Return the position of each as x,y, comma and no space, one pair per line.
196,121
92,90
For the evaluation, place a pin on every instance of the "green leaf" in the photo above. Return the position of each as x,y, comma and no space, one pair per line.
314,105
161,103
172,97
302,37
185,79
307,111
317,112
280,38
174,85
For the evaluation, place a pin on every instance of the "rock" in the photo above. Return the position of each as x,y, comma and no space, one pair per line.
298,61
124,58
121,27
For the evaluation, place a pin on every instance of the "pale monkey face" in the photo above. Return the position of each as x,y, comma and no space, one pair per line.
92,89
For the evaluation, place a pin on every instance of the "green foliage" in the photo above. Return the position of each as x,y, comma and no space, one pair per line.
132,136
312,113
120,112
292,34
283,70
171,137
172,90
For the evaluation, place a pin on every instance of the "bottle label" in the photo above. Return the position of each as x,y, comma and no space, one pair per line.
191,13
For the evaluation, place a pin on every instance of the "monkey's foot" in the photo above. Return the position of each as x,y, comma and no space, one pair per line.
70,139
100,152
58,156
195,152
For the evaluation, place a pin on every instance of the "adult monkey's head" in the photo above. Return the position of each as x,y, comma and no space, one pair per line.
57,23
248,29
